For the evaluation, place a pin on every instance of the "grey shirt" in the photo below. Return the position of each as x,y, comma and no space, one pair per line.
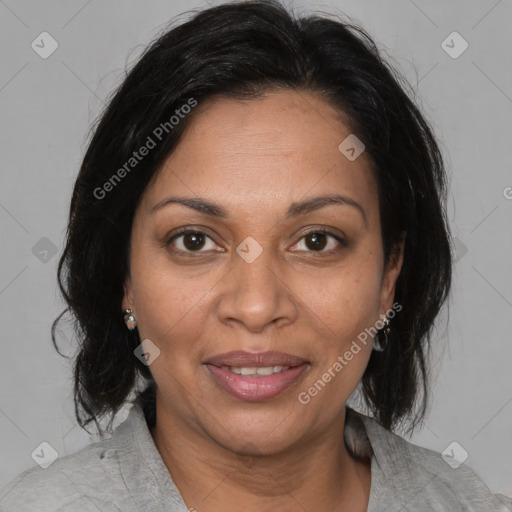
126,473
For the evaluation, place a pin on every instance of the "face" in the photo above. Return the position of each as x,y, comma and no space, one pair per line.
258,273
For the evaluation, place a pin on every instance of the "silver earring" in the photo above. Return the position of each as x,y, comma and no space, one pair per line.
129,319
380,344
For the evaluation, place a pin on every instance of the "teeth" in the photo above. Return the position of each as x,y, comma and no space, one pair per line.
264,370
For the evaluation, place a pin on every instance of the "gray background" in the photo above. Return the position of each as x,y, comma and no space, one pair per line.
48,104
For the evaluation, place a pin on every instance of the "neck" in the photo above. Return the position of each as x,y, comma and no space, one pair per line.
315,474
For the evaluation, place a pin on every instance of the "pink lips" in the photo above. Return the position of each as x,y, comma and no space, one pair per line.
252,387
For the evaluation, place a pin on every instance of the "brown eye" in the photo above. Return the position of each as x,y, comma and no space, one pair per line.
191,241
316,241
322,241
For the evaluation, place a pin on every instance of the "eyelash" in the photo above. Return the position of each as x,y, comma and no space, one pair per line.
185,231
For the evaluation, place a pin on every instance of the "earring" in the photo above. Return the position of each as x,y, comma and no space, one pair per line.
129,319
380,345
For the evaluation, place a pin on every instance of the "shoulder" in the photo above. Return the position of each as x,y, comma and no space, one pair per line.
73,482
122,473
444,479
423,479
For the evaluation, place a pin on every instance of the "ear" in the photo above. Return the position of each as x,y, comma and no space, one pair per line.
391,273
128,301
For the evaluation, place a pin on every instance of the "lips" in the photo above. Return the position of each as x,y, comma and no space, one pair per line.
240,358
256,376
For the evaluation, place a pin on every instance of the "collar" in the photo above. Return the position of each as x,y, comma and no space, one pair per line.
151,486
145,474
402,473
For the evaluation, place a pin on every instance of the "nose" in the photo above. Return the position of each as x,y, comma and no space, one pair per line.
256,294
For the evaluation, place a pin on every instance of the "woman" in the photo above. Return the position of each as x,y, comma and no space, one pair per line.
257,232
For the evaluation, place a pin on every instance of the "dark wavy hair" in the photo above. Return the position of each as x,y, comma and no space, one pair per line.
242,50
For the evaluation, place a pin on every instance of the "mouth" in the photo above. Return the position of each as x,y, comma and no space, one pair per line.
256,376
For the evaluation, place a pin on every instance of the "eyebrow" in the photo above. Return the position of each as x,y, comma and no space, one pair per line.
296,209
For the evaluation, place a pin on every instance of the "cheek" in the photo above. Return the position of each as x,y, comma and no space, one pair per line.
347,301
169,313
345,308
168,305
169,310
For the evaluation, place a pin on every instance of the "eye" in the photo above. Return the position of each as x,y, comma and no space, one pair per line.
192,241
317,240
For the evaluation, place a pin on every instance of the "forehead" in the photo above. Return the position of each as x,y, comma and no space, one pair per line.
264,152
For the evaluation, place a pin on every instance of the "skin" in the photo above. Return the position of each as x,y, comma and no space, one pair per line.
254,158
